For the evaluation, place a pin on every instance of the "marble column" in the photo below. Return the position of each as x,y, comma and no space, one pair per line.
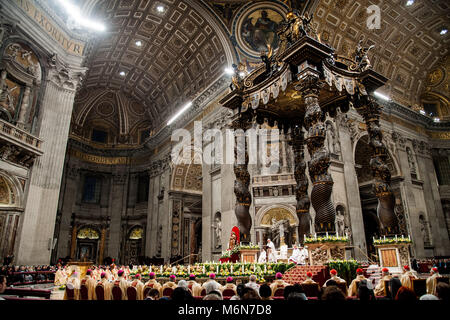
439,234
354,209
371,111
320,158
116,207
42,201
301,189
69,192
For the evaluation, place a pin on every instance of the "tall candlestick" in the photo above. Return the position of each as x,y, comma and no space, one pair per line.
217,269
327,234
384,237
231,268
395,238
409,237
189,269
161,269
265,268
204,269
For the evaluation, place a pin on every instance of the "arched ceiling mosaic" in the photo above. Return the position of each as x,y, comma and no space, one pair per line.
407,46
183,50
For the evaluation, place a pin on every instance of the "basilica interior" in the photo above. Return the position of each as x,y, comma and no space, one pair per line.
88,112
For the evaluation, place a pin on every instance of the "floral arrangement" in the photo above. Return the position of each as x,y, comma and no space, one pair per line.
326,238
395,239
63,287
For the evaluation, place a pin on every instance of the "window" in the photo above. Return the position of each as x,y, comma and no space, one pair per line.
91,189
99,136
142,194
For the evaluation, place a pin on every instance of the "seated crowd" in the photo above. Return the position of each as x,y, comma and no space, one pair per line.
20,275
107,285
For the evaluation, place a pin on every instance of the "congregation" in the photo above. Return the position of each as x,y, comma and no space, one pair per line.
112,283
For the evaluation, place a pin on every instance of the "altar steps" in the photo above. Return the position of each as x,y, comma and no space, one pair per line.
297,274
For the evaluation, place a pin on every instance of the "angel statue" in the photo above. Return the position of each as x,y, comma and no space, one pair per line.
239,72
361,58
266,57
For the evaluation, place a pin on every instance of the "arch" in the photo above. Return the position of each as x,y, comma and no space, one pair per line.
11,194
288,211
88,232
136,233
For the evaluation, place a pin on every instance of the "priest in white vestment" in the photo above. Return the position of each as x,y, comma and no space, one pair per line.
271,251
295,257
262,257
303,257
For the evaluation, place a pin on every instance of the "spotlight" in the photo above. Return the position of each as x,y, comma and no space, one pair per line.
436,119
443,31
422,112
122,73
409,2
382,96
179,113
139,43
160,9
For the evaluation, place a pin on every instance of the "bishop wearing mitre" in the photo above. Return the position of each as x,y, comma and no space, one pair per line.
90,283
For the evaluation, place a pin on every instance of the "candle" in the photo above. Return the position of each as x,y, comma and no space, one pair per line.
231,268
242,268
315,236
304,237
409,237
395,238
189,269
384,237
204,270
327,234
161,269
373,239
265,268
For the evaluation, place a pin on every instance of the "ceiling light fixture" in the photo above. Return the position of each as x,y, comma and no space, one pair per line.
443,31
436,119
229,71
160,9
139,43
409,2
179,113
75,13
422,112
382,96
122,73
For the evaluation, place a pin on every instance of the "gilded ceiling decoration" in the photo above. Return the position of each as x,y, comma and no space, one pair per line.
407,46
182,51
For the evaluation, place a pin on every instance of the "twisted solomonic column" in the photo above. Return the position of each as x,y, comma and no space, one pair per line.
320,158
242,182
301,189
370,111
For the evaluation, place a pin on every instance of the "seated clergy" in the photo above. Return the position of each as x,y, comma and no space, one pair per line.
60,277
229,287
278,283
152,283
380,289
106,285
169,284
353,288
137,283
303,257
432,281
193,286
252,283
295,257
407,277
308,278
121,283
211,284
73,283
283,251
90,283
334,276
